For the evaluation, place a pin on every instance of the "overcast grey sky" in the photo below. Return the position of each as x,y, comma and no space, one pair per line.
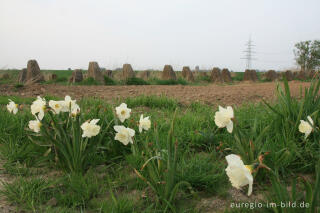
149,34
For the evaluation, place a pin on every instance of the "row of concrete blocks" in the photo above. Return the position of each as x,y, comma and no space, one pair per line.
32,74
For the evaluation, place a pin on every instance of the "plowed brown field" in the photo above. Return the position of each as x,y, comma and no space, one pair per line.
210,94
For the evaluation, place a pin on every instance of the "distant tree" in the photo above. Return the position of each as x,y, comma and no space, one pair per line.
307,54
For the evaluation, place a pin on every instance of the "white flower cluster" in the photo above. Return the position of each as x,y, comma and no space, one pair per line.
66,105
124,134
89,128
38,107
238,173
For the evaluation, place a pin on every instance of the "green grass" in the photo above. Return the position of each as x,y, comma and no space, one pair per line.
205,78
239,76
119,205
170,82
61,74
16,99
161,102
89,81
310,196
13,76
193,154
78,190
28,194
136,81
59,80
109,81
205,172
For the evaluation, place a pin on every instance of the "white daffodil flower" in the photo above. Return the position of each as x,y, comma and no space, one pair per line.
12,107
68,104
305,126
71,106
38,106
35,125
223,118
56,106
91,128
124,135
144,123
75,110
123,112
238,173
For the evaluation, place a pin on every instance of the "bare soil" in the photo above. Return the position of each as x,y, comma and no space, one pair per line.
212,94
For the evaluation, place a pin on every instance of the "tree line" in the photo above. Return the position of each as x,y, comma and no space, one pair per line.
307,55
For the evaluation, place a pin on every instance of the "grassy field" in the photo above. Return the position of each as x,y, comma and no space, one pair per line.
173,167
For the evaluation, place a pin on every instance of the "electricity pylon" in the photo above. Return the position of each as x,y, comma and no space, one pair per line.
249,53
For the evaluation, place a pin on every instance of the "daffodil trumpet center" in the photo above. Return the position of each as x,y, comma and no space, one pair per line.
252,167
